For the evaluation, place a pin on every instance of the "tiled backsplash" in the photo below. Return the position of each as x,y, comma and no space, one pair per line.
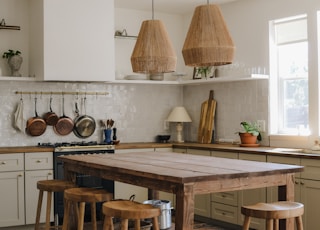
138,110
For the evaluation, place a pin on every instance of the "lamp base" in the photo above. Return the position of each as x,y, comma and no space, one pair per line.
179,128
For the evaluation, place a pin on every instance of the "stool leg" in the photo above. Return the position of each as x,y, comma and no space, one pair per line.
269,224
155,223
108,224
124,224
93,216
66,215
49,199
299,223
246,223
276,224
81,215
36,227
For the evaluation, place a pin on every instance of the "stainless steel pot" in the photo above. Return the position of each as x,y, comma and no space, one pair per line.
165,207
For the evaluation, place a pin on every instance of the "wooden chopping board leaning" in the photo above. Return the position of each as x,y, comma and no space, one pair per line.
206,125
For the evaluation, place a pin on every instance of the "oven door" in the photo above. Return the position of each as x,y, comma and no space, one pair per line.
81,181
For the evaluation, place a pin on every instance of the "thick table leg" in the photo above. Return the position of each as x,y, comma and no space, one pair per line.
286,192
184,218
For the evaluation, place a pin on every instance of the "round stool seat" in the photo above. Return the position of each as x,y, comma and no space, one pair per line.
54,185
49,186
126,210
272,212
87,195
83,196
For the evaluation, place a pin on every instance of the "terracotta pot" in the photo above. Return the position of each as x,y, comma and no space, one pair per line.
248,138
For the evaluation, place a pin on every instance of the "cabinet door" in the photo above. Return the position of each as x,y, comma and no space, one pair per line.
32,193
202,206
123,190
38,161
72,40
12,199
252,196
310,191
272,192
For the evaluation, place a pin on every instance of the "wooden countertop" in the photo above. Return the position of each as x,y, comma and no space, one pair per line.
211,147
24,149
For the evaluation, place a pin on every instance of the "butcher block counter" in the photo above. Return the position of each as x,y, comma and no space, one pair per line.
24,149
287,152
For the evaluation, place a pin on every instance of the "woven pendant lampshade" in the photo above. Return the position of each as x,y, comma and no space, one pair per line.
208,41
153,52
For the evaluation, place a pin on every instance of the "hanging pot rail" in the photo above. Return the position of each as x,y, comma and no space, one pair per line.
62,93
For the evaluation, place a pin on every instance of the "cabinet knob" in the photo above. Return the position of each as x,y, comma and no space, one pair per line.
49,173
302,183
39,161
296,182
3,162
20,175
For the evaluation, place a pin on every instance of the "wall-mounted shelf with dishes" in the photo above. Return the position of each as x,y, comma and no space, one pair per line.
195,82
10,78
123,35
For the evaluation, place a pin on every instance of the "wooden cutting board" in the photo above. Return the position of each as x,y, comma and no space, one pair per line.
206,125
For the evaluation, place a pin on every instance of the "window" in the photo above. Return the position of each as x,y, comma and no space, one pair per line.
289,100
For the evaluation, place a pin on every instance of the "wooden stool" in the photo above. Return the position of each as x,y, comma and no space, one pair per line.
126,210
83,196
272,212
49,186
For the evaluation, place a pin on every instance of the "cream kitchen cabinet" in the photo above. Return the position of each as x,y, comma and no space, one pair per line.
19,174
12,209
202,204
307,188
224,205
38,166
72,40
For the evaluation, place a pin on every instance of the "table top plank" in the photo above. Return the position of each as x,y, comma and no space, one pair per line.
179,168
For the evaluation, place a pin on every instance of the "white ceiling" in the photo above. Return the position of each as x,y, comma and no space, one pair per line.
166,6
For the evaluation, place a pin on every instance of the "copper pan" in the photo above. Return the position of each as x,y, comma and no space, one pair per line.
36,126
65,124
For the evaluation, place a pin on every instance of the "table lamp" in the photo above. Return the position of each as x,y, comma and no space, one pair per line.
179,115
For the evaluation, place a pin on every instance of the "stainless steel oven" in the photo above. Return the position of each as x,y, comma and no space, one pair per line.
81,180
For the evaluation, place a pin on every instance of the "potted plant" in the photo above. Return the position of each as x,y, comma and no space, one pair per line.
203,71
14,61
250,133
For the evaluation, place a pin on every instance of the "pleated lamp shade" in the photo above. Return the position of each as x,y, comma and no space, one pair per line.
153,51
208,41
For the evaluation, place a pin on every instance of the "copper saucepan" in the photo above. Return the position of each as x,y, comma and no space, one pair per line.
51,118
36,126
65,124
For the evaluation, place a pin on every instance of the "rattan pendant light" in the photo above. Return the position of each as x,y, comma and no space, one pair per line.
208,41
153,51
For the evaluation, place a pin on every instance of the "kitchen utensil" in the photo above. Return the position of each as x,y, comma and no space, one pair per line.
84,125
36,126
65,124
51,118
206,124
18,117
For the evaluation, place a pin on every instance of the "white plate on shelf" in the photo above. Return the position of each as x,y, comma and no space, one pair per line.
136,77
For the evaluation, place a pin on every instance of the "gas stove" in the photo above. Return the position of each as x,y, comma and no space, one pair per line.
77,146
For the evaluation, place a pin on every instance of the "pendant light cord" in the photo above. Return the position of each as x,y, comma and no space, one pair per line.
153,9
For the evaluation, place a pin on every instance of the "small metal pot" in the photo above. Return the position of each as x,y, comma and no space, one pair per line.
165,207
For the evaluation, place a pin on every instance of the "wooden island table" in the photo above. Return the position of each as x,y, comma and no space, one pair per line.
185,175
